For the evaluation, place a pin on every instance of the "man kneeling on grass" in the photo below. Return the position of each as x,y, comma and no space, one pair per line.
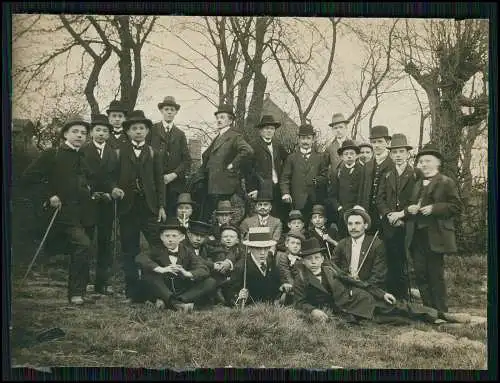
320,285
174,275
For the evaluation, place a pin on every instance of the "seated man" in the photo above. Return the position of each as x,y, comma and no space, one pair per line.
287,262
173,274
319,229
360,255
260,282
223,215
296,223
320,285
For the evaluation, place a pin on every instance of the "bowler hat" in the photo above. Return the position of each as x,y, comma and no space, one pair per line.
296,234
431,149
100,119
306,130
398,140
171,224
72,121
348,144
225,108
117,106
228,226
366,145
338,118
265,193
311,246
267,120
199,227
185,198
295,214
137,116
379,131
358,210
318,209
169,101
259,237
224,207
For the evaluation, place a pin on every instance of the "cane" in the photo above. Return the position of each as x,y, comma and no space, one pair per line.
41,243
243,301
367,251
115,234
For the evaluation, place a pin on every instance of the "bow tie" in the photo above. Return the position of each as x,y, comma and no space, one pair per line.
117,132
175,254
137,147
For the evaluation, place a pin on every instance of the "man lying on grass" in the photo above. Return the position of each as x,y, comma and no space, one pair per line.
320,285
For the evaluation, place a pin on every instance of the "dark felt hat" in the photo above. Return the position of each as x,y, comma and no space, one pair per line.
379,131
431,149
100,119
399,140
296,234
224,207
185,198
75,120
318,209
366,145
169,101
338,118
171,224
228,226
311,246
295,214
358,210
137,116
225,108
267,120
199,227
117,106
348,144
306,130
259,237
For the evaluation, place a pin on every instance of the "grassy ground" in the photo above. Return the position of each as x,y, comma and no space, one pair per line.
111,334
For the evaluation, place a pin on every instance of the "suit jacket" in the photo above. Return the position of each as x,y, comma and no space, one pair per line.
260,167
297,178
288,272
365,196
345,185
333,157
391,198
151,175
229,148
442,194
104,170
117,143
374,268
273,223
175,151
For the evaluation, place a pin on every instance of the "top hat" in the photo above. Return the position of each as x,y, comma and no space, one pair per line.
100,119
76,120
318,209
338,118
259,237
295,214
379,131
224,207
225,108
398,140
228,226
311,246
266,192
296,234
268,120
169,101
358,210
366,145
185,198
431,149
306,130
171,224
348,144
137,116
199,227
116,106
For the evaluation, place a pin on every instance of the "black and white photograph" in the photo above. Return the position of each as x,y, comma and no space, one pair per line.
249,192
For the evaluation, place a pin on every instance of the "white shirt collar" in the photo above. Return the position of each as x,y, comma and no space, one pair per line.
257,263
401,169
303,151
380,159
270,142
292,258
141,144
100,146
167,125
176,250
71,146
358,241
350,167
224,130
117,130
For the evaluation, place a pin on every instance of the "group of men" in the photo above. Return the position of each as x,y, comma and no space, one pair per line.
327,229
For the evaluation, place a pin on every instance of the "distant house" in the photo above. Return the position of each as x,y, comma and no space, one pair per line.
287,133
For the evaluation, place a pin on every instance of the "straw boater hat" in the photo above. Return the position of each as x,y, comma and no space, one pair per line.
185,198
398,140
358,210
116,106
306,130
171,224
379,131
311,246
295,214
338,118
77,120
225,108
348,144
224,207
100,119
268,120
259,237
169,101
137,116
198,227
431,149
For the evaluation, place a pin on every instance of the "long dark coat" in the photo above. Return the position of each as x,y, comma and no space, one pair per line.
117,143
365,196
345,185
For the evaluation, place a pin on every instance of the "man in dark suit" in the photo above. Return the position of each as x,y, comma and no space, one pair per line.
140,187
175,277
103,162
394,193
361,255
266,164
430,231
339,130
117,114
222,161
304,178
167,138
372,171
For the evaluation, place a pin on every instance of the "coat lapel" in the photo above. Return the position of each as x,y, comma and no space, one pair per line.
265,148
391,178
313,281
348,252
364,252
405,177
219,141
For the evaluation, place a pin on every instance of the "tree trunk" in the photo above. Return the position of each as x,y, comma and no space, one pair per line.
242,97
256,103
125,61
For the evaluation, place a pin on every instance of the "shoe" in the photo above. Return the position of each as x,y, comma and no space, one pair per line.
160,304
439,321
78,301
184,307
219,298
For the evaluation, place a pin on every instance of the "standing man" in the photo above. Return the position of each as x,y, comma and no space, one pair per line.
372,171
396,187
430,229
167,138
222,161
117,114
266,164
339,130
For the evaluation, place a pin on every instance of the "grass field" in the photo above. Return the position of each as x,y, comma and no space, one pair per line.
111,334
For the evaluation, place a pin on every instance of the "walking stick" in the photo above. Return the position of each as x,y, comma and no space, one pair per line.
115,235
41,243
367,251
243,301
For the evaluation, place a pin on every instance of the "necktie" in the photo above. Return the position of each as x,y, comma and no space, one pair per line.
99,150
117,132
137,147
263,267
